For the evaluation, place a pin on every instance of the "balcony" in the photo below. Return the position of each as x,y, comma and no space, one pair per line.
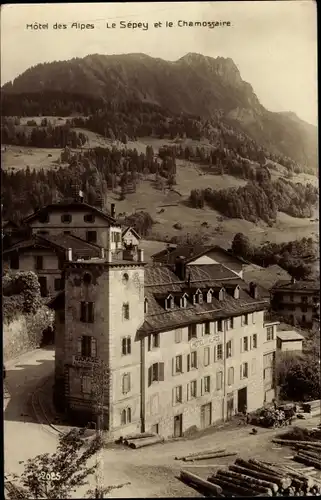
270,318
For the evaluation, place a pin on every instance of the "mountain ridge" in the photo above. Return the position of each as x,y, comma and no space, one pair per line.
194,84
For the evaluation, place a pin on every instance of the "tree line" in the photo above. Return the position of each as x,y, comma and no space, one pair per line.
259,201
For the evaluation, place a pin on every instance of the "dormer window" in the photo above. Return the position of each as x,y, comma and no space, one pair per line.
183,301
198,297
209,296
145,306
66,218
221,294
169,302
236,293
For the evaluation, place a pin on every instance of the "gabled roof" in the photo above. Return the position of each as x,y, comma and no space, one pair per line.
62,242
72,206
299,286
193,252
267,277
129,228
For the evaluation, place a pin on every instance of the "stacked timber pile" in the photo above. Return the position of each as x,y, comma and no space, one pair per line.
136,441
312,407
206,455
306,442
254,478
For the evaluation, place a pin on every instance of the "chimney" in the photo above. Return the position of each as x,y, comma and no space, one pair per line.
180,268
102,253
69,254
113,210
109,256
253,290
81,196
140,255
293,280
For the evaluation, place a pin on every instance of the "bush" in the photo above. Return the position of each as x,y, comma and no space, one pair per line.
178,225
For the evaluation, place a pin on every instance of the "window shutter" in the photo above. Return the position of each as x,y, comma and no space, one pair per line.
149,342
188,362
174,366
202,387
173,396
242,345
242,320
161,371
123,384
250,342
241,372
232,348
215,353
149,376
93,347
129,345
83,310
90,312
79,344
188,394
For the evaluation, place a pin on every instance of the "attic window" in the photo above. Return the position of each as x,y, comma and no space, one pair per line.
66,218
169,302
146,305
183,302
198,297
87,278
89,218
236,293
221,294
209,296
44,218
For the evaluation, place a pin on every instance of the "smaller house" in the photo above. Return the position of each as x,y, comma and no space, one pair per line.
289,340
130,237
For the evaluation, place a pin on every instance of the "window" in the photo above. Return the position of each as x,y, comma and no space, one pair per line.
220,325
43,286
115,237
87,346
209,296
253,366
126,416
178,394
169,302
67,232
183,302
206,356
87,312
178,335
236,292
303,318
291,298
66,218
44,218
192,332
304,309
254,341
207,328
14,260
85,384
193,389
153,341
245,319
43,233
58,284
61,261
126,383
305,300
89,218
200,298
219,380
230,323
126,310
39,262
91,236
219,351
145,306
155,373
229,349
221,295
191,360
207,384
244,370
230,376
245,344
269,333
126,346
178,364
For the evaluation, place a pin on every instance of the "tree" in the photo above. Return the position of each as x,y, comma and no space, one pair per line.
59,475
241,246
298,376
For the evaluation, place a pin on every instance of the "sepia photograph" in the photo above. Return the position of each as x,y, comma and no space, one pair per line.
160,250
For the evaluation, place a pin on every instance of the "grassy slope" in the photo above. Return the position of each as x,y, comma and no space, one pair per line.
189,176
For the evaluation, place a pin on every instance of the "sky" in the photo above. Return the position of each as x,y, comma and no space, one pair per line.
273,43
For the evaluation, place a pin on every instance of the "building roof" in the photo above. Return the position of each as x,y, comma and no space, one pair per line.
288,335
8,223
71,206
192,252
299,286
267,277
80,248
129,228
162,280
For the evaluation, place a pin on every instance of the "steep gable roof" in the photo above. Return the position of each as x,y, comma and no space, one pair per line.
129,228
72,206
